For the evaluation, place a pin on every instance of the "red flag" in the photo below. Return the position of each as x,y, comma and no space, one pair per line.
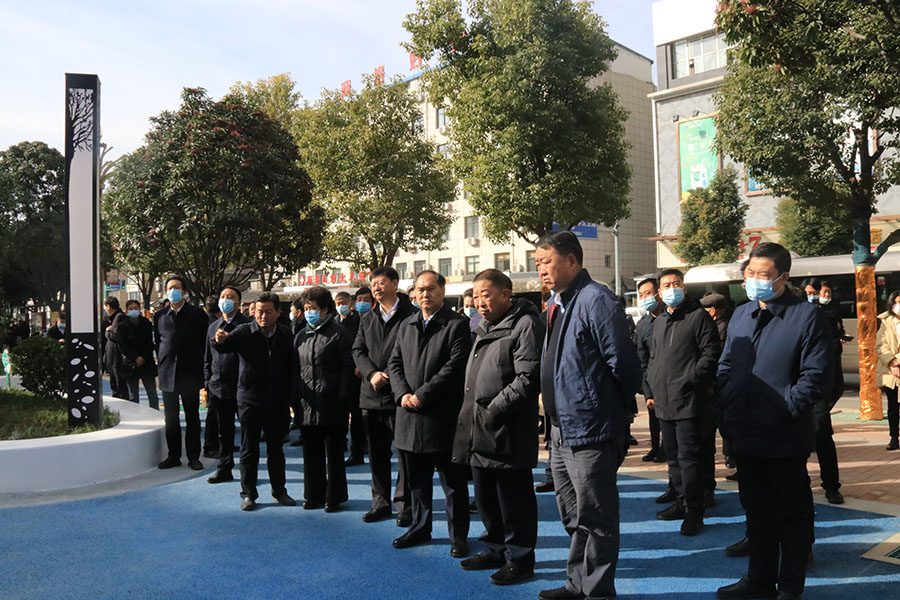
415,62
379,75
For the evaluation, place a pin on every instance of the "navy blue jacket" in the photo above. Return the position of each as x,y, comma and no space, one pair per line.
596,367
180,343
771,374
220,369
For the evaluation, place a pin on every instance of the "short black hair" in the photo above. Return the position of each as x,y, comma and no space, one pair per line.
112,302
647,280
234,289
62,316
440,278
563,242
133,303
892,299
777,253
342,295
497,278
667,272
389,272
177,278
813,282
470,293
212,304
826,283
298,303
320,295
362,290
270,297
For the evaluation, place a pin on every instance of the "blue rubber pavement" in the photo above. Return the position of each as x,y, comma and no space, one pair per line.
190,540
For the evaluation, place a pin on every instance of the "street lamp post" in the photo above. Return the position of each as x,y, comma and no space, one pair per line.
614,230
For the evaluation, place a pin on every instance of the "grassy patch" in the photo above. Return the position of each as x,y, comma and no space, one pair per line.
24,416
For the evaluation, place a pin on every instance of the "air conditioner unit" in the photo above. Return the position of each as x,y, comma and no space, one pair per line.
442,130
474,242
460,272
412,251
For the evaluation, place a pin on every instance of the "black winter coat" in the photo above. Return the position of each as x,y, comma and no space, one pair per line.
134,339
222,369
326,380
643,339
372,349
268,366
429,362
497,425
112,358
180,344
683,365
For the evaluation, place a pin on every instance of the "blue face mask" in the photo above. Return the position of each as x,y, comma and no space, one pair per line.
174,295
363,307
812,299
226,305
470,311
415,304
134,314
649,303
673,296
312,317
343,309
824,300
61,326
759,289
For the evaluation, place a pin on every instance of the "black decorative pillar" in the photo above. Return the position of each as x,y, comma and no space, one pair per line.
83,299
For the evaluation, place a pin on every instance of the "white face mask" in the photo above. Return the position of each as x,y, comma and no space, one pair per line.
896,309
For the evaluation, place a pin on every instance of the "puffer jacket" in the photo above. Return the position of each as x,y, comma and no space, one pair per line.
326,379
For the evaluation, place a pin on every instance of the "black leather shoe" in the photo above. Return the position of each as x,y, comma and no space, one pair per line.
732,477
650,455
744,590
782,595
354,460
834,497
459,549
668,496
560,593
544,486
482,561
248,504
169,463
893,445
404,519
220,477
195,464
285,500
307,505
473,507
511,574
297,442
673,513
377,514
660,456
211,454
692,524
632,441
408,540
740,548
332,507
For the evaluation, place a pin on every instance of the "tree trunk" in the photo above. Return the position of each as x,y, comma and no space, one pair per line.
870,407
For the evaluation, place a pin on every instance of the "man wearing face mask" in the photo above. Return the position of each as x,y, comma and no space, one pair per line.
349,319
681,373
180,334
58,331
112,358
134,336
773,369
471,313
649,300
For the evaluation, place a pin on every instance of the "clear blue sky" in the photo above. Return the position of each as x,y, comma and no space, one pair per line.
146,51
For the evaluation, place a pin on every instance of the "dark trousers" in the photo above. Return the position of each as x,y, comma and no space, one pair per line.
380,436
324,474
132,379
211,428
357,429
654,428
224,409
588,502
775,493
256,420
117,383
508,510
686,446
420,468
191,402
893,411
826,453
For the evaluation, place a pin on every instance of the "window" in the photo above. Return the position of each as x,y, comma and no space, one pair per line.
501,261
445,266
607,261
697,55
136,296
530,264
443,149
418,266
419,125
471,265
401,268
472,227
446,235
441,117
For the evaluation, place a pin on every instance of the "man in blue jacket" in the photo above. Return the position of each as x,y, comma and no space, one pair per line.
773,369
589,375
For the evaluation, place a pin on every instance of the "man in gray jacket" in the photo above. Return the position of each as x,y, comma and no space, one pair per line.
497,427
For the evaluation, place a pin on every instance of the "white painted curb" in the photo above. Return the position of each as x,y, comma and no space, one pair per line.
132,447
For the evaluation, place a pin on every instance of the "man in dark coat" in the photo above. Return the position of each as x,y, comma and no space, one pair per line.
589,375
349,320
180,333
497,427
649,300
112,358
427,372
133,334
58,331
267,372
220,373
773,369
371,351
681,374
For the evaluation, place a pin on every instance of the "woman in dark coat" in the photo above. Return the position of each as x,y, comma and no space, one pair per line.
133,334
324,349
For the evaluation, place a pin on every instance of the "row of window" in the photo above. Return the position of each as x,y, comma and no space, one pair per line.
699,54
473,265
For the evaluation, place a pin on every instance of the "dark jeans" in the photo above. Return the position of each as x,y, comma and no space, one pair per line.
893,411
775,493
324,481
508,510
224,410
826,453
211,428
357,428
588,502
132,379
268,420
380,436
654,429
686,448
420,469
191,402
117,383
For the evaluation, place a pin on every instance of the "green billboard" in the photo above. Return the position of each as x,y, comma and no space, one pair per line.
698,158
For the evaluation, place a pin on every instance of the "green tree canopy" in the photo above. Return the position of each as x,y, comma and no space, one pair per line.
217,192
711,221
381,183
814,229
535,137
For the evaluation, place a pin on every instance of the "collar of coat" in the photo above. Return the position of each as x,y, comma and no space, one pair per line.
778,305
689,305
254,328
441,317
322,323
520,307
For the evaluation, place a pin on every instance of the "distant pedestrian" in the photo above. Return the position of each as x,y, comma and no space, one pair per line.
889,366
649,300
133,334
58,331
112,358
349,320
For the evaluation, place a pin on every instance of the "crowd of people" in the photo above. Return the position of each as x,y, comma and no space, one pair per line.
458,393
